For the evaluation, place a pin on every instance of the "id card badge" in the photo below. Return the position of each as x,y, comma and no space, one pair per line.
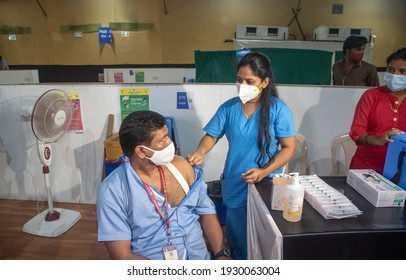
171,252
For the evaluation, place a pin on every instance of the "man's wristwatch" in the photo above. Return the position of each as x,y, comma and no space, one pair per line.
223,253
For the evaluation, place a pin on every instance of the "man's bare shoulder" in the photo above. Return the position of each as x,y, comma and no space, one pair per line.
184,168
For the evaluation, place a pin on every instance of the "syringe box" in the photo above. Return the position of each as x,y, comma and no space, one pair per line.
374,187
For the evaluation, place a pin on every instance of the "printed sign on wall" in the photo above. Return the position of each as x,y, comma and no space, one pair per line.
139,76
76,125
133,99
185,100
105,35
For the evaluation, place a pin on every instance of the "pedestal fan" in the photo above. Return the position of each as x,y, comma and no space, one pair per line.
50,118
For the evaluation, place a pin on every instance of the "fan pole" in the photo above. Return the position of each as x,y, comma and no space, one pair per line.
52,215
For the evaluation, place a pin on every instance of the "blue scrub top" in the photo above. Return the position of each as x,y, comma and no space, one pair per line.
242,136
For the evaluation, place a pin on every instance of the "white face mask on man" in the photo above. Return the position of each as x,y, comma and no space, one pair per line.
247,92
162,157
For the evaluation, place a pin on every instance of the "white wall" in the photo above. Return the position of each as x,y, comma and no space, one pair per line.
151,75
381,76
11,77
320,113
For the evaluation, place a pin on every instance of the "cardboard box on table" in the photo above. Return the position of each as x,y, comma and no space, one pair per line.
112,147
376,188
113,153
395,163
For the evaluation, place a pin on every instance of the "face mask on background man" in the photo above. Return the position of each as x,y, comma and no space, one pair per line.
356,57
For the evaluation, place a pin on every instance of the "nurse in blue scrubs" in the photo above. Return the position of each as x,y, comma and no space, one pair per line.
255,123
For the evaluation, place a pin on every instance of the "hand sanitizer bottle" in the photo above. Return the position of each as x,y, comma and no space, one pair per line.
293,207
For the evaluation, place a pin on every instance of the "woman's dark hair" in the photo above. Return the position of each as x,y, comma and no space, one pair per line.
138,129
261,67
399,54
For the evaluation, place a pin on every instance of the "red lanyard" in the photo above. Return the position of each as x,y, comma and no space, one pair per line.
155,202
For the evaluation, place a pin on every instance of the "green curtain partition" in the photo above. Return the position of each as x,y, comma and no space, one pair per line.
339,55
290,66
215,66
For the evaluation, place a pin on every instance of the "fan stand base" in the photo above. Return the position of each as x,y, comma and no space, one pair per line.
39,226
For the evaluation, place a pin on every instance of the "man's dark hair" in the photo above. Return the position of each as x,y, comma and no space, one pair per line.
138,129
354,42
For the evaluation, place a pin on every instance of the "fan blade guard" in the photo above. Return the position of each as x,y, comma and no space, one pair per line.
51,116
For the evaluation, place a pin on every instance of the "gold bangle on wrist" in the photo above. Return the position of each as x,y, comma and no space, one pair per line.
366,139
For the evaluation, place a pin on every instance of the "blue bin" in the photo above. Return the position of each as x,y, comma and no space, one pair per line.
214,192
110,165
170,123
395,162
221,210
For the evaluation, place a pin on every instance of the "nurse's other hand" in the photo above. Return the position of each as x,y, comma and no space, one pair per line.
253,175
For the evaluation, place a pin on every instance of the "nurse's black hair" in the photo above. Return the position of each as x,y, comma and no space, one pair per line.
261,67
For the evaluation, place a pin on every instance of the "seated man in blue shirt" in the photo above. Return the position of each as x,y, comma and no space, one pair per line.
155,206
3,64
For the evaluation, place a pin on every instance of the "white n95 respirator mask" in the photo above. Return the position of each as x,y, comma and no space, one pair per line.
247,92
162,157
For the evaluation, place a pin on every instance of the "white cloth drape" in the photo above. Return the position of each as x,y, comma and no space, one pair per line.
265,241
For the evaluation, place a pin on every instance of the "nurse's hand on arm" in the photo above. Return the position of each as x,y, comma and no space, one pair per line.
288,150
206,144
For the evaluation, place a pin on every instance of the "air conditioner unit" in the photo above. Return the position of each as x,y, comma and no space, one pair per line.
256,32
339,34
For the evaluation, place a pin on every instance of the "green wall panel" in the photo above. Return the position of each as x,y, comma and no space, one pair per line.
290,66
93,27
6,30
131,26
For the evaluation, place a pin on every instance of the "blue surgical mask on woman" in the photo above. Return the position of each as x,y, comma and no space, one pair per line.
247,92
395,82
162,157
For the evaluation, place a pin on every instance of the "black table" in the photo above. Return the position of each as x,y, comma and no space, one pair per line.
379,233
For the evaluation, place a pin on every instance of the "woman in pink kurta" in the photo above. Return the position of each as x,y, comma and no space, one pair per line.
379,114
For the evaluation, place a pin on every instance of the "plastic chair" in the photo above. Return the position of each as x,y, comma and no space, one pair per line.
349,148
301,141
